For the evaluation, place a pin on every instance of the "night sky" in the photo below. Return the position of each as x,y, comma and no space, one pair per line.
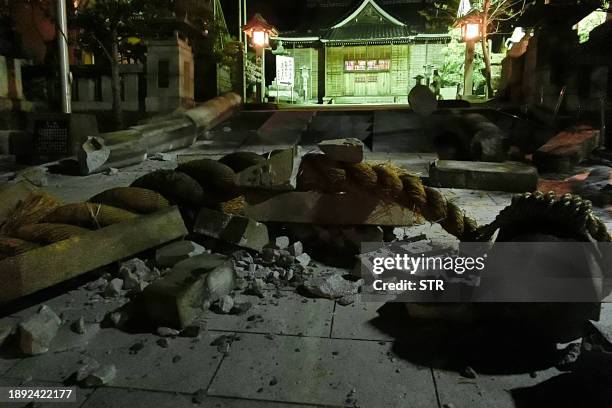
284,14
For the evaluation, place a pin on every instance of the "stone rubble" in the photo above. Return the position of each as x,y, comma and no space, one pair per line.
331,287
37,332
170,255
78,326
113,288
102,375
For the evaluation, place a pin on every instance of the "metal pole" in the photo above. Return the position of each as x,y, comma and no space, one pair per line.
245,41
62,42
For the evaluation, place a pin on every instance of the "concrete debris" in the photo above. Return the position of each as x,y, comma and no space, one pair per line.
132,283
223,343
234,229
331,287
139,268
278,173
224,305
6,331
303,259
176,252
282,242
113,289
269,255
285,259
564,151
256,288
167,332
178,298
343,150
118,318
37,332
347,300
98,284
111,171
101,376
78,326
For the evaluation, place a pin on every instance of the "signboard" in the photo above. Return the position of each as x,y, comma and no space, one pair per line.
51,135
285,70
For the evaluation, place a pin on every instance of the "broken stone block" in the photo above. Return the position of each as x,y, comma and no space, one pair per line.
234,229
282,242
37,332
512,177
343,150
178,298
285,259
278,173
175,252
347,300
331,287
88,365
35,175
567,149
78,326
113,289
102,375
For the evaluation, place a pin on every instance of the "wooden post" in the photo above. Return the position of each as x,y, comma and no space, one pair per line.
468,73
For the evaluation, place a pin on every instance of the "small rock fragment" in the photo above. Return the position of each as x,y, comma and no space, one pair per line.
37,332
167,332
78,326
296,249
113,289
193,331
303,259
282,242
347,300
6,330
285,259
331,287
101,376
570,356
241,308
89,365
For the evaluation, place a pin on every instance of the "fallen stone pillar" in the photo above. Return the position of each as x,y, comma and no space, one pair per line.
330,209
508,176
564,151
177,299
49,265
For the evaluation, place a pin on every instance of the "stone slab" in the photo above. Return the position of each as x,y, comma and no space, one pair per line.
321,371
291,314
46,266
566,150
152,367
507,176
485,391
357,321
177,299
117,397
329,209
234,229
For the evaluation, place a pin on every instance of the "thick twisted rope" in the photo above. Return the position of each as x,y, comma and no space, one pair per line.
391,183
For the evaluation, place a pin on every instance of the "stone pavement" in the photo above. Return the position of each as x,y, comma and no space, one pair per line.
288,350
